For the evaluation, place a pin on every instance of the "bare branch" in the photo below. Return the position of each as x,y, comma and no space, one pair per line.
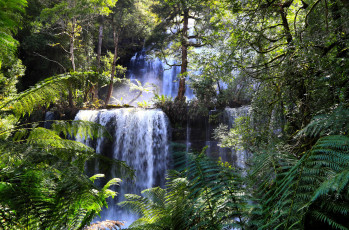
195,44
268,50
50,60
311,9
164,56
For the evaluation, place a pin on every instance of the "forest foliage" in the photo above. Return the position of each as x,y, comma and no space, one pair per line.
287,59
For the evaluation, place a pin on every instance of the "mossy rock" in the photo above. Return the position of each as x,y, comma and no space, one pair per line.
127,106
110,106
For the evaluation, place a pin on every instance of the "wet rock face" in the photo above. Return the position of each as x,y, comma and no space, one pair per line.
198,133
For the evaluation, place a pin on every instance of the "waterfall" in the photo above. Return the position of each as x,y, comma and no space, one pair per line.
49,117
200,133
156,72
140,138
240,155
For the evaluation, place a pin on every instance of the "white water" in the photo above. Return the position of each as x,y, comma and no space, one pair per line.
140,138
230,115
156,72
49,117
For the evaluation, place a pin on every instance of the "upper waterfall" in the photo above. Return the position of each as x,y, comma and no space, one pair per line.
156,72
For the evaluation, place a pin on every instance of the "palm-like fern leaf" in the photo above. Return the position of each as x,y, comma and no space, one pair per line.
42,181
334,123
205,195
44,93
315,186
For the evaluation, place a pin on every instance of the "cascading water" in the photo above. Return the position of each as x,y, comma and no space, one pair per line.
49,118
156,72
200,133
230,116
140,138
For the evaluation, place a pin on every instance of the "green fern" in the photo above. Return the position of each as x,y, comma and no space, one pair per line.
40,190
9,21
42,180
334,123
314,187
46,92
205,195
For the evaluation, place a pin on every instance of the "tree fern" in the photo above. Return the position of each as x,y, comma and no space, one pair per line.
315,188
40,190
334,123
44,93
42,180
205,195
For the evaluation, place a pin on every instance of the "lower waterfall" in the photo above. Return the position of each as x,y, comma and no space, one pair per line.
140,138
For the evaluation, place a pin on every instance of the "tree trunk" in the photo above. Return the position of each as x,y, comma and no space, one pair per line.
99,53
134,99
184,66
110,89
71,47
286,25
100,40
72,59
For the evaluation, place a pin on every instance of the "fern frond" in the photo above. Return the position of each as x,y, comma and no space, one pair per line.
135,203
334,123
203,195
326,219
48,138
298,190
66,129
337,184
43,93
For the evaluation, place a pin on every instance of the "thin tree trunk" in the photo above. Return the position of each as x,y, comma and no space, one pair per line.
184,66
134,99
72,59
72,41
100,40
99,53
116,41
285,25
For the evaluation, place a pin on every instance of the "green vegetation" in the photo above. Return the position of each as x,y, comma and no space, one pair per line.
287,59
203,195
42,180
